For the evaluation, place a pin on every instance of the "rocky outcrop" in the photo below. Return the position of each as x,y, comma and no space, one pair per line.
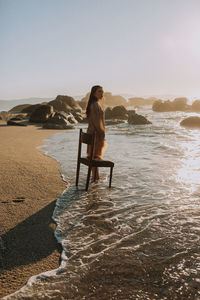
192,122
114,122
136,119
59,121
195,107
31,108
19,117
138,101
41,114
117,112
19,108
66,104
5,116
178,104
15,123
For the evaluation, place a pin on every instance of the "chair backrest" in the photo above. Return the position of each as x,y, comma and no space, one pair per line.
86,138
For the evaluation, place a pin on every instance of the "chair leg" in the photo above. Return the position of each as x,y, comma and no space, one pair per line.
88,178
111,171
77,173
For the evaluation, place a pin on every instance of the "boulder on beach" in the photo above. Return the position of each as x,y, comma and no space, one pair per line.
31,108
19,108
15,123
78,116
4,115
66,104
58,121
41,114
192,122
136,119
19,117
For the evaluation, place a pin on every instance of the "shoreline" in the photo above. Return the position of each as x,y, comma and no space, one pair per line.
30,184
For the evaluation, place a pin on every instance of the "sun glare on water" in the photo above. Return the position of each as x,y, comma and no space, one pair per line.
188,174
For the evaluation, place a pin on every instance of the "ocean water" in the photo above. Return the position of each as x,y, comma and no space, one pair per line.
141,238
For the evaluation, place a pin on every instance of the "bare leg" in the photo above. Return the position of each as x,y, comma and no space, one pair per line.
95,170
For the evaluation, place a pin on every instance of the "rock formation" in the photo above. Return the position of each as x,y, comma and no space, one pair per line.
136,119
138,101
178,104
19,108
118,114
41,114
58,121
196,106
192,122
66,104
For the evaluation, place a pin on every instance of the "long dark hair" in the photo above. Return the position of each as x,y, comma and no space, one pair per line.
92,98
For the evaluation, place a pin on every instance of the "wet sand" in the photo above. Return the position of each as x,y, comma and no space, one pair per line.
30,183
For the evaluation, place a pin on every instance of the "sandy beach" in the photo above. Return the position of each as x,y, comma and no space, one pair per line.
30,183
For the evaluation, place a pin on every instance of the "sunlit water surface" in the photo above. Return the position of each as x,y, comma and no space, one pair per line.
139,239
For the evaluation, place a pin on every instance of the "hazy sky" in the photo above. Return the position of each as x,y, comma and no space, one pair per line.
51,47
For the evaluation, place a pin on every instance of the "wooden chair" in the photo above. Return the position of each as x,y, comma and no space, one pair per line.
89,139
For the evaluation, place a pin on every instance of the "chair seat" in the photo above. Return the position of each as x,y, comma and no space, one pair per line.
97,163
93,164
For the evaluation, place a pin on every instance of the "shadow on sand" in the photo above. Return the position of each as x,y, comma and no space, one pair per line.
30,241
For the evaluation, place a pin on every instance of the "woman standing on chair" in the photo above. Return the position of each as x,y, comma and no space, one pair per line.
95,117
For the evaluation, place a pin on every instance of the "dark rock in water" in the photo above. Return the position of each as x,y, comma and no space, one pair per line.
108,113
66,104
117,112
139,101
114,122
162,106
131,112
178,104
14,123
196,106
136,119
58,121
41,114
192,122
